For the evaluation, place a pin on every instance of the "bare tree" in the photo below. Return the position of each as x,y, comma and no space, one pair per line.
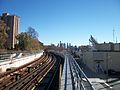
32,33
29,40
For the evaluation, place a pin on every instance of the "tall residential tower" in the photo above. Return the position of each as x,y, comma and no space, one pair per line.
12,21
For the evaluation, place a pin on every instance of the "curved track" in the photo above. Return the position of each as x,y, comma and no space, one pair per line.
27,76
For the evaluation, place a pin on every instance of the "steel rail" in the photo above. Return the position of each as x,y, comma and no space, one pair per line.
16,69
48,88
9,79
40,76
18,84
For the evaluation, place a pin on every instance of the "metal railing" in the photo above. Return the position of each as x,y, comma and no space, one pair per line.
73,77
80,79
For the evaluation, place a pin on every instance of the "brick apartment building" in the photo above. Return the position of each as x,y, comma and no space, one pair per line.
13,23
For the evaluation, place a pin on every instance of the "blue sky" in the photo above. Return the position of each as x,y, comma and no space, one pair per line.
70,21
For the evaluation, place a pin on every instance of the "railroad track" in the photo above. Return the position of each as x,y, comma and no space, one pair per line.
16,69
9,76
55,76
40,76
28,79
24,82
52,80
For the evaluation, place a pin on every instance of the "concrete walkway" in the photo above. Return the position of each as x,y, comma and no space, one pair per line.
97,80
94,79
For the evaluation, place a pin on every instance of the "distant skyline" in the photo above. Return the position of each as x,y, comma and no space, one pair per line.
71,21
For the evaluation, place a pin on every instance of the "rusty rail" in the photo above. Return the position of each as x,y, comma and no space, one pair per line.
9,75
32,77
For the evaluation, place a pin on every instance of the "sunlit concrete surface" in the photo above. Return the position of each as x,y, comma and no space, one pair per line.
18,62
66,81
